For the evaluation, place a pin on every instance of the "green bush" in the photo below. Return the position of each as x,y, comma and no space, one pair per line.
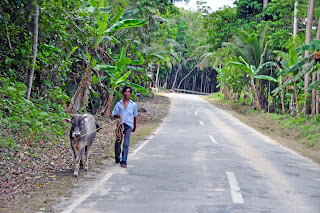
25,120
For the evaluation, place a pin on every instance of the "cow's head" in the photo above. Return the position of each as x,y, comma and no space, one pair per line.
78,122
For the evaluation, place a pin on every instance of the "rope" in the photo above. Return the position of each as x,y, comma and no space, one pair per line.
118,127
119,131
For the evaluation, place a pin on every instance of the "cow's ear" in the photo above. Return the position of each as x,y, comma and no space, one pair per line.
66,120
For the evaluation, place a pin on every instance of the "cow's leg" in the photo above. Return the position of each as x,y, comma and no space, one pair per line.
79,156
81,162
87,157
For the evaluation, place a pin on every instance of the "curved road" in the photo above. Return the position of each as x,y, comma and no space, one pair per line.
204,160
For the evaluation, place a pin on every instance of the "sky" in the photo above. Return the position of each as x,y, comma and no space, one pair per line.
214,4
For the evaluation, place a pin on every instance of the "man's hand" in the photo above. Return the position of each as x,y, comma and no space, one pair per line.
117,116
134,124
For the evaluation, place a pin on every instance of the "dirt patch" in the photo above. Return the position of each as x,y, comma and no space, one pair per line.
274,129
36,178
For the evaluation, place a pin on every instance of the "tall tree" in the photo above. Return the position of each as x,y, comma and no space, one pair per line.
34,51
307,108
295,21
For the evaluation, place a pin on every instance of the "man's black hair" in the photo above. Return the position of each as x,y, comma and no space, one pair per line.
125,89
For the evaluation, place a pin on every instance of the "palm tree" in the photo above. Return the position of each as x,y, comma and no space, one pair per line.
252,71
194,55
251,48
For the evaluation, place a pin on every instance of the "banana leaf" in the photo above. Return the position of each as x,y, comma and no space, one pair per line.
159,56
266,77
280,88
296,66
72,51
312,46
309,67
124,61
129,13
137,62
137,87
94,79
117,16
108,69
122,53
122,78
314,85
132,68
267,64
128,23
96,95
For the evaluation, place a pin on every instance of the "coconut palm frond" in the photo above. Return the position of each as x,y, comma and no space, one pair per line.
159,19
205,60
170,43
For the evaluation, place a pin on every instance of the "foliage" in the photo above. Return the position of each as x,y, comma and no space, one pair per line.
26,120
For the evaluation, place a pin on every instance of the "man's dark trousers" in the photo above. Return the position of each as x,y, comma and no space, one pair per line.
126,141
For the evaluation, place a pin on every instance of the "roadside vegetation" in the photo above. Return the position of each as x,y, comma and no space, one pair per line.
60,57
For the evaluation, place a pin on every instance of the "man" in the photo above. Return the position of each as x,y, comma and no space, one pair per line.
127,109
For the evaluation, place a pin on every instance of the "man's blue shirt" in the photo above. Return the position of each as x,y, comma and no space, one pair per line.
127,114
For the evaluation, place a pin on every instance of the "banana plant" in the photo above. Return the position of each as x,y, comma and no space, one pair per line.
116,76
252,71
106,27
292,68
281,74
315,45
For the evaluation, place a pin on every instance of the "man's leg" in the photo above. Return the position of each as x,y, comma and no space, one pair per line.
126,141
117,150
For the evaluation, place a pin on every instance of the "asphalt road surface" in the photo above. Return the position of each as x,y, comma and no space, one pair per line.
203,160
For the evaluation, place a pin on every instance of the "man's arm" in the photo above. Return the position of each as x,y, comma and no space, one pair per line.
134,124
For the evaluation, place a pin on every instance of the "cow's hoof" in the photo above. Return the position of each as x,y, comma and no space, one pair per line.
85,168
75,174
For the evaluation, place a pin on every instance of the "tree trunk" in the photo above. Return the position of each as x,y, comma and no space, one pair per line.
201,82
295,21
109,104
157,76
82,93
166,82
318,97
194,83
282,103
296,96
306,54
34,51
269,91
187,76
175,79
265,3
314,79
255,94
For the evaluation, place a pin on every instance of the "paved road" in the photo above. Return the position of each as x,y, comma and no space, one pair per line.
204,160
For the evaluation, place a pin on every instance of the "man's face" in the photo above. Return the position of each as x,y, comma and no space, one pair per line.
127,93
